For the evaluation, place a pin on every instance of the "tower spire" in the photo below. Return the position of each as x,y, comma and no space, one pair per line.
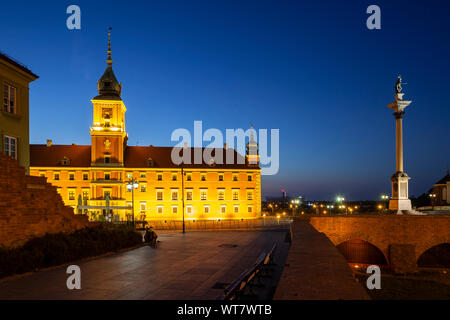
109,59
107,85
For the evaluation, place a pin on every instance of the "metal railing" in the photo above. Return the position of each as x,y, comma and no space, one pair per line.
246,279
220,224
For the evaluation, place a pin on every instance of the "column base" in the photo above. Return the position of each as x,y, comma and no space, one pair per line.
400,204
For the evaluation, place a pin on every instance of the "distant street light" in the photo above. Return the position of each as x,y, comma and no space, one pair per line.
432,198
385,198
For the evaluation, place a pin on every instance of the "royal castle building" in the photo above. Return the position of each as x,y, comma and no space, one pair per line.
113,181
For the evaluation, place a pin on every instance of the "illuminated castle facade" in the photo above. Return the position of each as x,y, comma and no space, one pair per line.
103,179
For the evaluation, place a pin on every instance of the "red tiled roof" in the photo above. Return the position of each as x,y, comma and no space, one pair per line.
135,157
43,156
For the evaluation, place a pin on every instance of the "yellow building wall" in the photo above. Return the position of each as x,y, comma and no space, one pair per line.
120,196
16,125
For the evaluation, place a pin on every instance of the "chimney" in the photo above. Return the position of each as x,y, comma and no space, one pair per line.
49,143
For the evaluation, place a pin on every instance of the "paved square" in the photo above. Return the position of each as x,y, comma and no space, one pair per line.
183,266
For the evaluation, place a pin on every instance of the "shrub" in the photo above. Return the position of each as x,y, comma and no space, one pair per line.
56,249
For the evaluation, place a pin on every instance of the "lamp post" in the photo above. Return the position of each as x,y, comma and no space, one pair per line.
182,193
385,198
432,198
132,184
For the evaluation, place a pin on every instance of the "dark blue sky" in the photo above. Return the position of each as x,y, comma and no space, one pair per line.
310,68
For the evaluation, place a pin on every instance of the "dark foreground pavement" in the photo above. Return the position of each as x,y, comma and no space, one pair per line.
316,270
183,266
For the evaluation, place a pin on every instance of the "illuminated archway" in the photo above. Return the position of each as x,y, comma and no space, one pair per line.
361,251
437,256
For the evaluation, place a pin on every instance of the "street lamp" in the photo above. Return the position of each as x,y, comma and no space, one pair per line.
385,198
131,185
432,197
182,193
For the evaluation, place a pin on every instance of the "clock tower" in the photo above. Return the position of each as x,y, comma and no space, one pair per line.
108,135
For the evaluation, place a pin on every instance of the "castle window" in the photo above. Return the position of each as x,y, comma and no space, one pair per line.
143,175
175,209
189,177
203,194
159,209
203,177
71,194
11,147
221,195
220,176
223,209
159,195
174,177
85,176
174,195
9,99
143,187
106,193
206,209
65,161
159,177
85,194
250,209
71,176
107,158
106,113
107,176
235,194
189,209
235,177
249,177
189,195
150,162
56,176
236,209
249,195
143,206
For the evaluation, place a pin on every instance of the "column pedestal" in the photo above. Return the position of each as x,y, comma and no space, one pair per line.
400,200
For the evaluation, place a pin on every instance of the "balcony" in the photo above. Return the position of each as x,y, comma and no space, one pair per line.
110,181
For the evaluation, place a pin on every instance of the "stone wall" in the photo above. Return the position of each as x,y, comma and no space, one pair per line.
29,206
392,234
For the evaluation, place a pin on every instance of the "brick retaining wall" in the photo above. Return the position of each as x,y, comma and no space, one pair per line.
29,206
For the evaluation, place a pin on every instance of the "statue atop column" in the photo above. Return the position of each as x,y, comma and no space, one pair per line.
398,84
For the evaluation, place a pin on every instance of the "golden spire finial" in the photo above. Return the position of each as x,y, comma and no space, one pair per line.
109,59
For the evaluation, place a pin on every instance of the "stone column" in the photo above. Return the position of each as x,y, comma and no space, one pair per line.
399,140
400,201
